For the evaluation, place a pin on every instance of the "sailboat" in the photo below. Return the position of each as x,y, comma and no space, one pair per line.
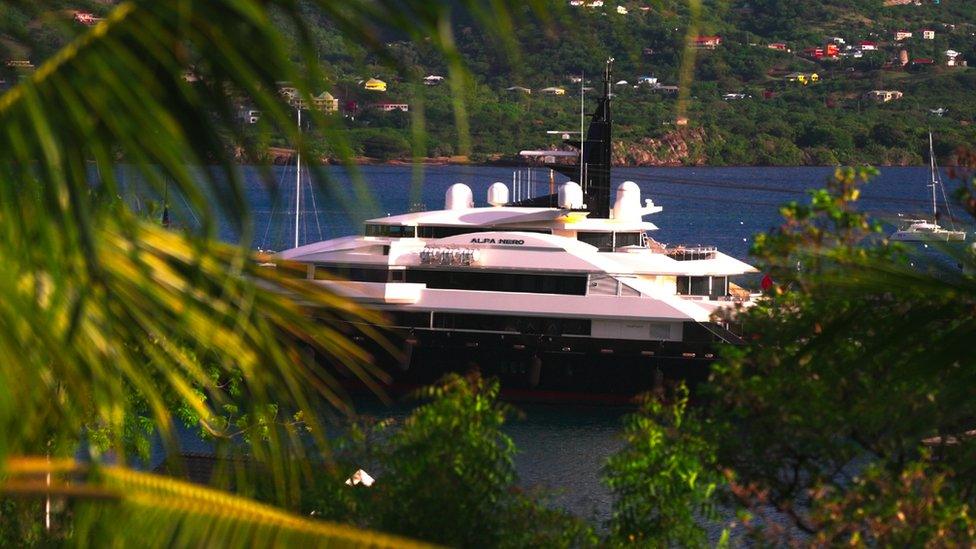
298,221
923,230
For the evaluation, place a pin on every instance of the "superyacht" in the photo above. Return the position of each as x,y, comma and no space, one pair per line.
554,294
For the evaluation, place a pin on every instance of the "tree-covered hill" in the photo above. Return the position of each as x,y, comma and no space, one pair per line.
735,103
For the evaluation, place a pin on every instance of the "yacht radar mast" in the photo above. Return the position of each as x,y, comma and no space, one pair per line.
595,156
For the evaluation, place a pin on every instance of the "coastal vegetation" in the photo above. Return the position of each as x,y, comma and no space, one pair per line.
847,419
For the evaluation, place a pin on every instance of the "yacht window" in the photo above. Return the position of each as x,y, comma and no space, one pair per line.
444,232
499,282
699,285
720,286
354,273
603,241
627,239
521,324
410,320
395,231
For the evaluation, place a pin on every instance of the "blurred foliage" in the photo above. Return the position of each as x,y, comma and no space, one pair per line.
848,416
114,328
664,480
445,474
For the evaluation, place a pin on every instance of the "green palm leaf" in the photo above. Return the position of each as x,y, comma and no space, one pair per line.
106,317
132,508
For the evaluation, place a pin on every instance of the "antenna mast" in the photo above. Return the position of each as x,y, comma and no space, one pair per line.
935,213
582,129
298,177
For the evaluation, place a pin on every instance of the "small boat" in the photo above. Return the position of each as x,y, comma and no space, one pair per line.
923,230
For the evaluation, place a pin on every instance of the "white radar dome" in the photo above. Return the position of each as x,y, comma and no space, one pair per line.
498,194
458,197
570,196
627,207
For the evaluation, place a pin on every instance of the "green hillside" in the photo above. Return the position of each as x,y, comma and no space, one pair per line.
769,121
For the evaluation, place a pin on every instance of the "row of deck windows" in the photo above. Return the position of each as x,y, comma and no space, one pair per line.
605,242
461,280
712,286
499,282
494,323
409,231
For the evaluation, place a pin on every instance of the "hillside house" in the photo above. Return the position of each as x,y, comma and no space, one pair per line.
576,3
803,78
390,107
734,96
867,45
85,18
902,35
814,53
595,4
375,84
519,89
286,90
647,81
249,116
928,34
779,46
883,96
433,79
20,64
326,102
708,42
667,90
953,58
553,91
621,10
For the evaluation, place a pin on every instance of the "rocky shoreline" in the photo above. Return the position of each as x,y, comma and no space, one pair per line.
684,147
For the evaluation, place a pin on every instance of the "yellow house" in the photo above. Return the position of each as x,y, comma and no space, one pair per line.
375,84
803,78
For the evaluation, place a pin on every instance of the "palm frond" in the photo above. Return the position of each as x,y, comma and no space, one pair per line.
126,507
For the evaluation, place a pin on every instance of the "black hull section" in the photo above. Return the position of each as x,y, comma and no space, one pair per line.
547,368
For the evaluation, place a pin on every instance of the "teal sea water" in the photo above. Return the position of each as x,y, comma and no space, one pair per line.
562,448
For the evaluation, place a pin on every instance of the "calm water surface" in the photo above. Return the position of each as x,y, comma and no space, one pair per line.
563,448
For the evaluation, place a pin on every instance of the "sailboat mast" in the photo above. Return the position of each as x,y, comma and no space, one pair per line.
298,178
935,215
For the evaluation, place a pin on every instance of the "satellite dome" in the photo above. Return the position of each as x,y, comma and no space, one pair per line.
570,196
628,204
498,194
458,197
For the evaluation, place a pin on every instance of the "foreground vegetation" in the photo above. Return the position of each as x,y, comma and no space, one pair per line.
847,419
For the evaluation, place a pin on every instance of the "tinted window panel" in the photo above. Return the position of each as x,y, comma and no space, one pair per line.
499,282
603,241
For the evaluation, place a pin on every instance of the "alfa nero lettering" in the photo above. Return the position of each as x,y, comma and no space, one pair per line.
508,241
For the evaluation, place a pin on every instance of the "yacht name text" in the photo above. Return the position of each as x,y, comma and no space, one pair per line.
509,241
